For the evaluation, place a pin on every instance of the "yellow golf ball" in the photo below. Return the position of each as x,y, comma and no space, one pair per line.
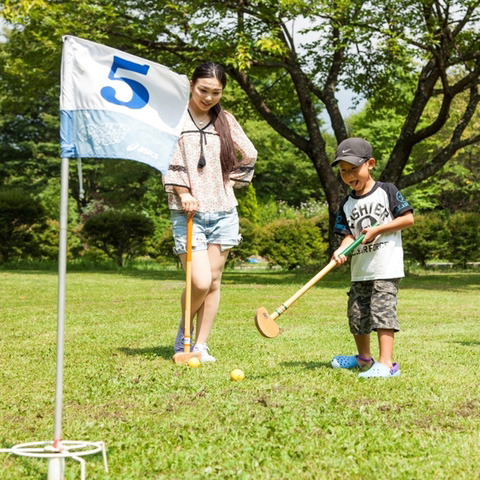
193,362
237,375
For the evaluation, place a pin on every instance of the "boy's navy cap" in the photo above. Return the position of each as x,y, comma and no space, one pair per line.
353,150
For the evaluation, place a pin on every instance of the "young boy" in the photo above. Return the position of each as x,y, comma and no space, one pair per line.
377,264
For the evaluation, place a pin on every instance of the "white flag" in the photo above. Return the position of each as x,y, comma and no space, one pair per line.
117,105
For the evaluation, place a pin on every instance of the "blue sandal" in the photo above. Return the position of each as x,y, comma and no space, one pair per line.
379,370
350,361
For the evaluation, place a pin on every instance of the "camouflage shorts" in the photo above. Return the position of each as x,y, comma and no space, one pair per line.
372,305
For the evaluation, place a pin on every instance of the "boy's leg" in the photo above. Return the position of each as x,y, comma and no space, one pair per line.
384,368
385,323
363,347
359,316
358,312
385,343
384,317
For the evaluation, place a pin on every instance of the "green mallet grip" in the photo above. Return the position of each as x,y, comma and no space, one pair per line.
356,243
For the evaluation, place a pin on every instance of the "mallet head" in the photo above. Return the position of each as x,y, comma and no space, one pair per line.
184,357
265,323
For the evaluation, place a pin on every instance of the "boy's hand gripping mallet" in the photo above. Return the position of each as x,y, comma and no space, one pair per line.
186,355
266,323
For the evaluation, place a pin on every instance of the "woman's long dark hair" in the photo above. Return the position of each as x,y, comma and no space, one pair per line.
228,159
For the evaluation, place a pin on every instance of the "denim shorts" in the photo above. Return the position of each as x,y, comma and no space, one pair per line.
372,305
208,228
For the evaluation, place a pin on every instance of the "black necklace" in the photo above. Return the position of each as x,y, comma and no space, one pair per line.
200,122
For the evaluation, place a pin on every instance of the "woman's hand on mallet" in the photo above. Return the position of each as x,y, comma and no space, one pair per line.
189,203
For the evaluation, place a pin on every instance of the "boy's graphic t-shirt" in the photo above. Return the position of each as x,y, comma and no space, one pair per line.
383,257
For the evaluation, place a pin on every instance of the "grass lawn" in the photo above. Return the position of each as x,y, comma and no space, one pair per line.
292,417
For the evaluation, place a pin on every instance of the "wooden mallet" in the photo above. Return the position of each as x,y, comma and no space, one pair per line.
266,323
186,355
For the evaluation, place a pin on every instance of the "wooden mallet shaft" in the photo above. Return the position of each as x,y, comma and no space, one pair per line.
265,322
187,355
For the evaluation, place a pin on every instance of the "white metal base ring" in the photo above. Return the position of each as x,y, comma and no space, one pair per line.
57,455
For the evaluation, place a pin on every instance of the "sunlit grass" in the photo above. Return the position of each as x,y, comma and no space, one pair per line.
292,416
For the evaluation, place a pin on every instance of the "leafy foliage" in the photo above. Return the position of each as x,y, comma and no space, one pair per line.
464,238
291,243
120,234
282,171
250,244
290,58
20,213
427,239
248,204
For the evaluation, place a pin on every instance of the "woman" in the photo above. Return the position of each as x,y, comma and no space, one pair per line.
212,157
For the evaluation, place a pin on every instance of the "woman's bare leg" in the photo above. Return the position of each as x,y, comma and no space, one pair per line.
207,269
208,310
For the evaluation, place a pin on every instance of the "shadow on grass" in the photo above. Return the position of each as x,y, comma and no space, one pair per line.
306,365
468,343
229,277
160,351
448,282
338,278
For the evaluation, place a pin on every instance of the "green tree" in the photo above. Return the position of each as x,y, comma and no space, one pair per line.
394,52
456,186
250,244
122,184
282,171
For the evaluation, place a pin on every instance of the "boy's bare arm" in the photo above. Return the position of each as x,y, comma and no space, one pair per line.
340,259
403,221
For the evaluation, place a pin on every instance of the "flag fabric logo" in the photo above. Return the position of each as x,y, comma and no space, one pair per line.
117,105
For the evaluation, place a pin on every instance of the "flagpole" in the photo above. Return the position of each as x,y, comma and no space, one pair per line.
62,269
56,465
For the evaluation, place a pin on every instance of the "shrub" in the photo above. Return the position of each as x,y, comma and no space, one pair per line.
463,238
166,245
120,234
426,239
249,246
271,210
248,204
294,242
20,216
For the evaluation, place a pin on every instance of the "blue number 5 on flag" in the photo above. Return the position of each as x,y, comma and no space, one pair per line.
116,105
140,93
